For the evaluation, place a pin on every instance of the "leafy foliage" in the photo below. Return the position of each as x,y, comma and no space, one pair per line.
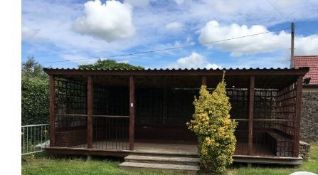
34,93
215,130
31,68
109,64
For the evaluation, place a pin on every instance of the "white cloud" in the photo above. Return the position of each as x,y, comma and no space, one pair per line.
28,33
110,21
174,26
306,45
194,60
262,43
138,3
79,59
52,22
179,1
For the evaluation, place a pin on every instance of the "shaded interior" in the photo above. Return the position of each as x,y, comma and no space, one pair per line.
164,105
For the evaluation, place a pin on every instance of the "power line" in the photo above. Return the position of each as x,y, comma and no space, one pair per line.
280,12
166,49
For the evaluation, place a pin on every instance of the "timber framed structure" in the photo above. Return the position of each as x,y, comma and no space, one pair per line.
115,112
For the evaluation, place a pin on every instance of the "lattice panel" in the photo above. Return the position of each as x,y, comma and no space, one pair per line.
286,109
70,96
264,102
71,118
239,102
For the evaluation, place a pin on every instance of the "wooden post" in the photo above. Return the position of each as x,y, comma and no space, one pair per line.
299,87
203,80
164,105
292,47
89,112
52,109
250,115
131,112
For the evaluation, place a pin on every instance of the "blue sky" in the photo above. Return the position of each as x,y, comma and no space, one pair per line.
61,33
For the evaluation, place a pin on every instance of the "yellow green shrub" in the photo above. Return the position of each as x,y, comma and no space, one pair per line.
214,128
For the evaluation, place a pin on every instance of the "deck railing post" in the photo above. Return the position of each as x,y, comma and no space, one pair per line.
131,112
299,87
52,109
89,112
251,114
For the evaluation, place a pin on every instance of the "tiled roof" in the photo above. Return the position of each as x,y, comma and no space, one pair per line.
312,63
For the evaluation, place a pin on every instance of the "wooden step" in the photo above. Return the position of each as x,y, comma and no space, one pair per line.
157,153
184,169
163,159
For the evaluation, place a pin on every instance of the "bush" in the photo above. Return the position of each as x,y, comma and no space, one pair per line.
215,130
35,102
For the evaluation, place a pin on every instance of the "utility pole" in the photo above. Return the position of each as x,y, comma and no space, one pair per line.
292,48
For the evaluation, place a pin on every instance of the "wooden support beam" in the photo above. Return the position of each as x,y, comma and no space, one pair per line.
299,88
203,80
131,112
89,112
164,105
52,109
251,114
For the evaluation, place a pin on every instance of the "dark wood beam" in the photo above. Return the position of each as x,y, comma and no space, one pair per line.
251,114
131,112
52,109
247,72
299,89
164,105
89,112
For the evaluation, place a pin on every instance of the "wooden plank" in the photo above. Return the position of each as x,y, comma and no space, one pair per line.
85,115
111,116
72,115
299,87
85,151
52,109
131,112
250,114
122,154
265,120
89,112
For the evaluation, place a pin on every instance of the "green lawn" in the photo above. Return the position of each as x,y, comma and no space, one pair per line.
310,165
39,165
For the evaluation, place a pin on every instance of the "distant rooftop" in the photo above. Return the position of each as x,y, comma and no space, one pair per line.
312,63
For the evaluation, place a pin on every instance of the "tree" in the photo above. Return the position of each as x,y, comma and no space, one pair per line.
214,128
34,88
109,64
31,68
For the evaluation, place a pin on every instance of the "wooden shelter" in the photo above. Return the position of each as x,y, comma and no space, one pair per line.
110,112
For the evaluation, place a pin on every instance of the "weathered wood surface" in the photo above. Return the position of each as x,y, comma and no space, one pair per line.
251,114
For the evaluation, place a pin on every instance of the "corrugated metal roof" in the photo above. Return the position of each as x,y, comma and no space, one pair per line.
174,69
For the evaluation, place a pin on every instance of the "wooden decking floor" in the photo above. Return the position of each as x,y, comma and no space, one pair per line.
261,153
177,147
147,147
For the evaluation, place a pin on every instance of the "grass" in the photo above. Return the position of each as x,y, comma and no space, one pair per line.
311,165
39,164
